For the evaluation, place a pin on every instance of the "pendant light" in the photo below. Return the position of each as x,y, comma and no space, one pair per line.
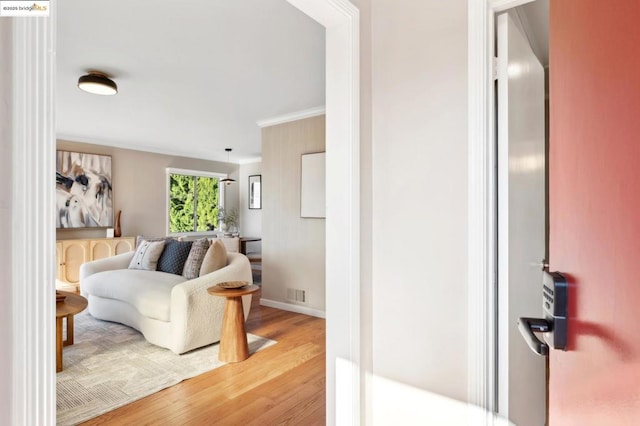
228,180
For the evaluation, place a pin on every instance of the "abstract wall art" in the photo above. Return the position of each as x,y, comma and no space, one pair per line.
84,194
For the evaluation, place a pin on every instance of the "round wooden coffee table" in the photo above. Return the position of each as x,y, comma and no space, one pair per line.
71,305
233,341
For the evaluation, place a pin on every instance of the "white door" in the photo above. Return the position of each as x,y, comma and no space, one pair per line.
521,223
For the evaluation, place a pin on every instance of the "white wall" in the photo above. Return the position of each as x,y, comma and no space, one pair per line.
5,219
250,219
419,171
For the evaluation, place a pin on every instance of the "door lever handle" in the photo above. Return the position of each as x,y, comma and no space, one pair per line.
527,326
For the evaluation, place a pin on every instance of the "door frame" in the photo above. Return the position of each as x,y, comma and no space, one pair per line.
485,370
33,235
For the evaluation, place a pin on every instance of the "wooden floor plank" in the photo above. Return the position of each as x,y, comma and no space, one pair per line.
282,384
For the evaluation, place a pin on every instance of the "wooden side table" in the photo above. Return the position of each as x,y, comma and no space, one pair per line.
71,305
233,341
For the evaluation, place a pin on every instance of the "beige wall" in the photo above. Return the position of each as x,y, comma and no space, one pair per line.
5,220
139,187
250,219
419,170
293,248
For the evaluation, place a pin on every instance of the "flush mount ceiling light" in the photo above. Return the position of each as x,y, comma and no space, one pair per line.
228,181
98,84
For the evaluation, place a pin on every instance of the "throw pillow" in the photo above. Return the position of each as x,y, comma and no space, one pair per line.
174,256
141,238
196,256
147,255
216,258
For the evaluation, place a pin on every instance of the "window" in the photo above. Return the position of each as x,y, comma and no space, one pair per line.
193,201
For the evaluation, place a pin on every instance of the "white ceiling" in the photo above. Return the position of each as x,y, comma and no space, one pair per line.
193,76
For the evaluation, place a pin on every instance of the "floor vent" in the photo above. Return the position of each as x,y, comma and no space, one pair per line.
296,295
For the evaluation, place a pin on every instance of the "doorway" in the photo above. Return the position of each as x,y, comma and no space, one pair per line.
34,147
482,327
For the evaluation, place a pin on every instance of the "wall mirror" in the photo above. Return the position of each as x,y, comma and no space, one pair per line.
255,191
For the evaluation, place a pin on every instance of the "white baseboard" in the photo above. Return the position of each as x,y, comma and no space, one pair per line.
293,308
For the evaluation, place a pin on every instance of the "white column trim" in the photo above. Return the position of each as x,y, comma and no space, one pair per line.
33,222
482,359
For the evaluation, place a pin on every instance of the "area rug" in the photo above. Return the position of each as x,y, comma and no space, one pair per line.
111,365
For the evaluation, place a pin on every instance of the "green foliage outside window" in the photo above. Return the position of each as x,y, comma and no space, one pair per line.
193,203
207,204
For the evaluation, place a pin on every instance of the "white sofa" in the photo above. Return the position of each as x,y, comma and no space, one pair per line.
167,309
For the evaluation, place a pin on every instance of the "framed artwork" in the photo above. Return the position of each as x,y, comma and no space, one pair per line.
312,185
255,191
84,194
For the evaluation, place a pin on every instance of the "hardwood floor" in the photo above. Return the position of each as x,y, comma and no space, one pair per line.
282,384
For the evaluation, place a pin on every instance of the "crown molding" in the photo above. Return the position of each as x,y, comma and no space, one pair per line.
294,116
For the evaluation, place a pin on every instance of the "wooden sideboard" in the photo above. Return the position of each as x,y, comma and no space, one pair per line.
70,254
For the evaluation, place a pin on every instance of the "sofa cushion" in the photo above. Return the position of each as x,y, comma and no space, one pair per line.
148,291
147,255
196,256
174,256
216,258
